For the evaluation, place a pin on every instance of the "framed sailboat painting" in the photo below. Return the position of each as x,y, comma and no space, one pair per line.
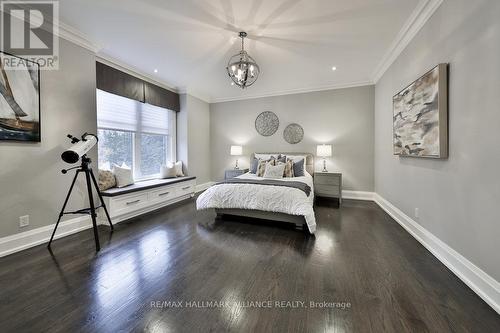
19,99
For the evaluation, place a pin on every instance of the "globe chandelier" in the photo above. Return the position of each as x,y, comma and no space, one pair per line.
242,68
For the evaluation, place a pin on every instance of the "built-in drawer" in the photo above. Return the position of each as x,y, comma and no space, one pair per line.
327,190
185,188
163,194
326,179
130,202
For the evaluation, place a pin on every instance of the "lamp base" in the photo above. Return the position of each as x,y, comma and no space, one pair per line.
236,167
324,165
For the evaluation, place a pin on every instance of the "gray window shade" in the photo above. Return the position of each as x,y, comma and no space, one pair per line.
119,83
120,113
161,97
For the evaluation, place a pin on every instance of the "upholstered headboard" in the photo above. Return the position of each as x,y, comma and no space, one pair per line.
309,159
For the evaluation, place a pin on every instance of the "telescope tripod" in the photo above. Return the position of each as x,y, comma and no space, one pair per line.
89,176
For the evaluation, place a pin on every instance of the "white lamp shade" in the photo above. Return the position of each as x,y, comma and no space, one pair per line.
324,150
236,150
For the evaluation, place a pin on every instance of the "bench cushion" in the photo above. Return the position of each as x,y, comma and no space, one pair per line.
144,185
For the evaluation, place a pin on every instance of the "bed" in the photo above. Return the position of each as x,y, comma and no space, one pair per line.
257,199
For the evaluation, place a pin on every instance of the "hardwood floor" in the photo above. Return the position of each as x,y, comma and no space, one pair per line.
359,257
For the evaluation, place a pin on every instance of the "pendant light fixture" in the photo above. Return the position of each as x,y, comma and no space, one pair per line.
242,68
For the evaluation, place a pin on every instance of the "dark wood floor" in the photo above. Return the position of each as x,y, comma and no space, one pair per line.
359,256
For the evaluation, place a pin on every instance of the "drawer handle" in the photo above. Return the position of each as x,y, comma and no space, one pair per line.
164,193
133,202
185,188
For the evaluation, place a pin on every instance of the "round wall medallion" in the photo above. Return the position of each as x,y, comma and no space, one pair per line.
267,123
293,133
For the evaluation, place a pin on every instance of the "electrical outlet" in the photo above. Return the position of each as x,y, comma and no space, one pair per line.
416,213
24,221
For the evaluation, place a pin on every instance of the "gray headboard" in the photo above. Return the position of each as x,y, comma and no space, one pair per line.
309,159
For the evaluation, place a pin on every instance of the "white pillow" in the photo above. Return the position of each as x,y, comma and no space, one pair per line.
123,175
274,171
178,168
296,158
264,157
168,171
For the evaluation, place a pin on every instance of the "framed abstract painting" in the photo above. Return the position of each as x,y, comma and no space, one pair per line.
19,99
420,116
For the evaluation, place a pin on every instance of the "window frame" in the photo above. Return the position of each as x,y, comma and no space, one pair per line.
171,144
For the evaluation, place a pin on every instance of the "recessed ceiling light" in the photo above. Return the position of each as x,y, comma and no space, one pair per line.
156,71
334,68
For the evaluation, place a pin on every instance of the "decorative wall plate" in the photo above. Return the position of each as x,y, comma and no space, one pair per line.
267,123
293,133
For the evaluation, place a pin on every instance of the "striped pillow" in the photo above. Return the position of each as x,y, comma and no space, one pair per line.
261,169
288,169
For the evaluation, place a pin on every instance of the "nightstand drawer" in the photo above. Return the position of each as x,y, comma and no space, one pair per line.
326,179
327,190
234,173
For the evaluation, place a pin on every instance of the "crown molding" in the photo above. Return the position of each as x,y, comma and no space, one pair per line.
74,36
295,91
412,26
197,94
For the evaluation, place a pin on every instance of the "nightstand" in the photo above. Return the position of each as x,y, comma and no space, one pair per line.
234,173
328,185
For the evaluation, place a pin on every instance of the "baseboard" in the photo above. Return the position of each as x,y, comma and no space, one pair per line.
479,281
27,239
357,195
203,187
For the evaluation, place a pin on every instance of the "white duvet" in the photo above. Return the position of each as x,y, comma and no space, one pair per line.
268,198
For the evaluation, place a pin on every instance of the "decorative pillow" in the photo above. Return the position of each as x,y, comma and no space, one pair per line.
262,167
274,171
288,169
106,180
298,168
123,175
296,158
281,158
168,171
254,165
263,156
178,169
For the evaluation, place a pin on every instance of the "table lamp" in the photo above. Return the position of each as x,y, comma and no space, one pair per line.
324,151
236,151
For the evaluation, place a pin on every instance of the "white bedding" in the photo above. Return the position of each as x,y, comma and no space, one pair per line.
268,198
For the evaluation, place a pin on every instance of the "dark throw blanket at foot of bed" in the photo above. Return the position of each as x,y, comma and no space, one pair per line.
270,182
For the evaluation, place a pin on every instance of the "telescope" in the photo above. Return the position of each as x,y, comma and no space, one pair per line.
80,147
77,152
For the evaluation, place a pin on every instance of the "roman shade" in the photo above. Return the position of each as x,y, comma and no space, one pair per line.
114,81
124,114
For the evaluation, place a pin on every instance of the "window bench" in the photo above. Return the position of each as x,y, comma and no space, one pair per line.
145,196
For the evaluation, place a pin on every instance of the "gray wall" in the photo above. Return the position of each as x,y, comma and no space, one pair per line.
193,137
457,198
342,117
30,179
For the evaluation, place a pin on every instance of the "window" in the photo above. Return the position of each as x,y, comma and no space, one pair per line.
139,135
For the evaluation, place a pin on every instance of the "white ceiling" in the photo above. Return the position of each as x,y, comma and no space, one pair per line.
295,42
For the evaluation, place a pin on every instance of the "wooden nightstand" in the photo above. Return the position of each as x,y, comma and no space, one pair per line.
234,173
328,184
